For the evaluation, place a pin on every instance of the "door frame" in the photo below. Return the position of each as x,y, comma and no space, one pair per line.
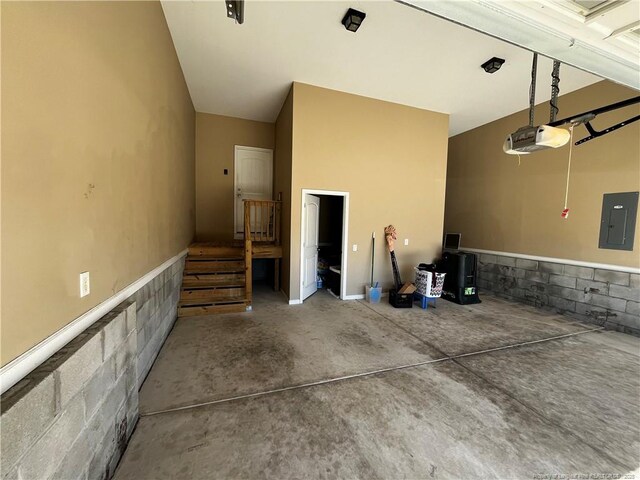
237,236
345,236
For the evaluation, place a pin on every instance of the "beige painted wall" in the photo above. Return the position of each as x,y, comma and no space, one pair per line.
390,158
282,182
98,158
498,205
216,137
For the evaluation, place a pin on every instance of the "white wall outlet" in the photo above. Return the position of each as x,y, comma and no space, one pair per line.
85,284
355,247
406,241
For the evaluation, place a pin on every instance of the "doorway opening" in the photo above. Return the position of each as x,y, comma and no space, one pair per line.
330,242
324,234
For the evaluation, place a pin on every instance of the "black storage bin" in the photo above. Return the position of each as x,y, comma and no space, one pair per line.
400,300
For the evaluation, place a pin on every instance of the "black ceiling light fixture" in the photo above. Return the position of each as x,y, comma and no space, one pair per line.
353,19
235,10
492,65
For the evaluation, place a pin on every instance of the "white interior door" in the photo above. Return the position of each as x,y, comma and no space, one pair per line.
310,245
253,180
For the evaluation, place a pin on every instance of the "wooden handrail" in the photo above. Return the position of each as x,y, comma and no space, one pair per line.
262,220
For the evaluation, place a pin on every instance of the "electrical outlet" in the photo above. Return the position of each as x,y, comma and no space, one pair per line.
85,284
406,241
355,247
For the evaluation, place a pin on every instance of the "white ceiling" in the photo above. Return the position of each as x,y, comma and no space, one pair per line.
598,36
399,55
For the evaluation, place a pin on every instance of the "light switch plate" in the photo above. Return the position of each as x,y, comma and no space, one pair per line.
406,241
85,284
355,247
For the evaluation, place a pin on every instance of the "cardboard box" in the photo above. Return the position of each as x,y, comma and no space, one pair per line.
407,288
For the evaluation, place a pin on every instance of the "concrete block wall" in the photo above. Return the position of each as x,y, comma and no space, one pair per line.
71,418
604,297
157,307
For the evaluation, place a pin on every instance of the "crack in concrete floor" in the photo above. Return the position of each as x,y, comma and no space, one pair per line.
363,374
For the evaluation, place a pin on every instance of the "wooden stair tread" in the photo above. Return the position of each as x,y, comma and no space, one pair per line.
212,301
194,311
217,255
213,280
219,243
206,284
214,249
209,293
214,266
215,258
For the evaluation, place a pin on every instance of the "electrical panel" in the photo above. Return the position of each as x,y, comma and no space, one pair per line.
618,223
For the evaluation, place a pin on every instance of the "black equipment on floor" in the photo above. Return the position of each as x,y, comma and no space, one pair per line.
400,300
460,284
396,271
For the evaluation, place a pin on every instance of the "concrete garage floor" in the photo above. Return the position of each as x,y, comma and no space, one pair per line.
333,389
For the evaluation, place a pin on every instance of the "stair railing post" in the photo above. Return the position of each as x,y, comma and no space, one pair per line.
247,253
248,282
277,221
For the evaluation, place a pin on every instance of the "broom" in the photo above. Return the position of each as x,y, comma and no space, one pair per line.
373,254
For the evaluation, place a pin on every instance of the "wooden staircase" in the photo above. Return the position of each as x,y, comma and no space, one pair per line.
214,281
217,276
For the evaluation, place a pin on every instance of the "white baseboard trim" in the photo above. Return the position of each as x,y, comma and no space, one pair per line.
354,297
578,263
295,301
362,297
20,367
